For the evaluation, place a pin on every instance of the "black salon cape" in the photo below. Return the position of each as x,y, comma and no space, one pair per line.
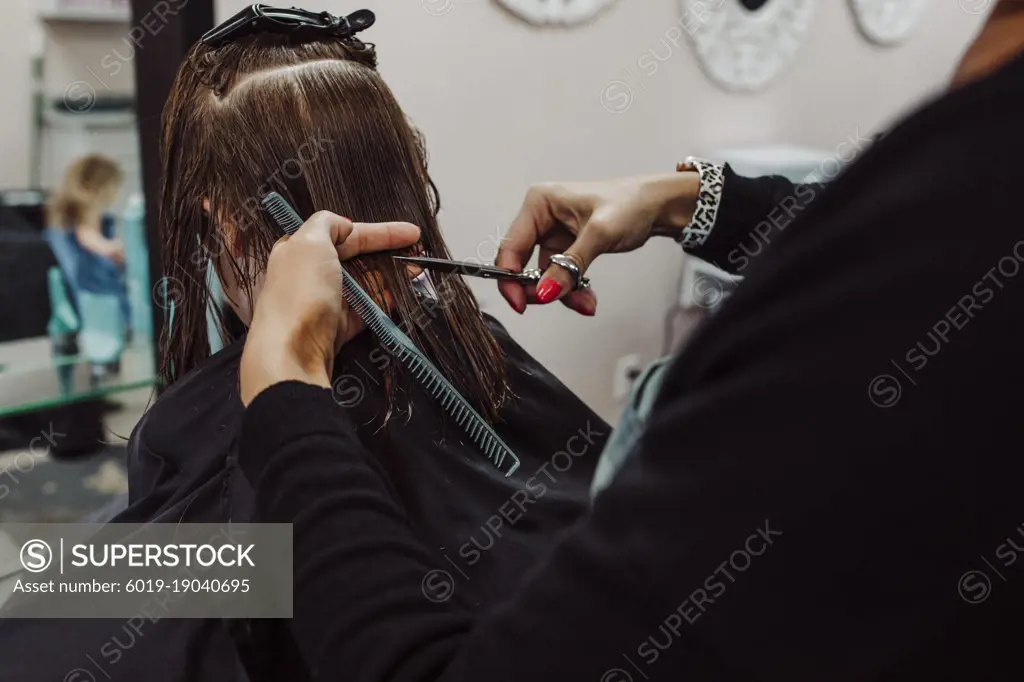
183,468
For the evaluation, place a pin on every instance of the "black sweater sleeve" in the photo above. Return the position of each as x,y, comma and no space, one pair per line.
358,565
752,212
825,483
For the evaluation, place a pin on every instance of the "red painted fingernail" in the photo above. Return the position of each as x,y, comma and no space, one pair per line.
548,290
590,312
519,308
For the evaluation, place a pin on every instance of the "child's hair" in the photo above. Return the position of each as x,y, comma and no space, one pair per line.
90,182
314,121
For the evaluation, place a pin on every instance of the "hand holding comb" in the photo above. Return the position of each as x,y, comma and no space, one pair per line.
398,343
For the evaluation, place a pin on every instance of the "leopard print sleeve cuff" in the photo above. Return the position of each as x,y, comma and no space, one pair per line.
712,181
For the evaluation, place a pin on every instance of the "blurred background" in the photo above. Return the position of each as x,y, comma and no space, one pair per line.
507,93
76,355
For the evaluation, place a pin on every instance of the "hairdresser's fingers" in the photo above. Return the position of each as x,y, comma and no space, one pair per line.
372,237
555,241
596,238
299,317
513,293
535,219
583,301
324,227
353,239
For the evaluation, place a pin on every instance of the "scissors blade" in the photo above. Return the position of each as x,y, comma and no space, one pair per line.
461,267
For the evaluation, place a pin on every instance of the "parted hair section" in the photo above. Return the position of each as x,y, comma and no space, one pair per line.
314,121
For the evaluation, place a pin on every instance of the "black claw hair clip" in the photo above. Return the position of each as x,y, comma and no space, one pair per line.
257,19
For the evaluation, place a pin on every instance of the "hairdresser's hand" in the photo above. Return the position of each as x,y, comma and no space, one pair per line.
585,220
115,251
300,320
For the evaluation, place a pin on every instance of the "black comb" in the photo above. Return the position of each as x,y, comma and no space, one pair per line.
396,341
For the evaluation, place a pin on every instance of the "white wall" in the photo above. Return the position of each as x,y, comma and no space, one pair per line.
504,105
16,104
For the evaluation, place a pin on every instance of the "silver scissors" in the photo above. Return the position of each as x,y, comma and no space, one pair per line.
468,269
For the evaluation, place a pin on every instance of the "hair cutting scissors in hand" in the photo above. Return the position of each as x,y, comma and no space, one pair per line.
529,276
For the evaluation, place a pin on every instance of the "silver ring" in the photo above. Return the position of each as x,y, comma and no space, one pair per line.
566,262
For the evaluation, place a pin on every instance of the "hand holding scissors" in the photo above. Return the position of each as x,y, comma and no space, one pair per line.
571,224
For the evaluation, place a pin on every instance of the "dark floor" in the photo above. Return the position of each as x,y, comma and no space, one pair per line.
41,490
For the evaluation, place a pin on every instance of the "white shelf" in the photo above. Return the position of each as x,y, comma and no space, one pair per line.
90,119
97,15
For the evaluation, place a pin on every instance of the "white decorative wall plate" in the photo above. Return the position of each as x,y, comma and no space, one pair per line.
555,11
888,22
744,44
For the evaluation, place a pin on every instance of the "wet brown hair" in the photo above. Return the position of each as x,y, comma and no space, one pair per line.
88,183
314,121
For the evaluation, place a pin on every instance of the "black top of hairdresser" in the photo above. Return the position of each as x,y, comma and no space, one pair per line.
266,19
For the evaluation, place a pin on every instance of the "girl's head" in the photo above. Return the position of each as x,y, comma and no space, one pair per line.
90,185
313,120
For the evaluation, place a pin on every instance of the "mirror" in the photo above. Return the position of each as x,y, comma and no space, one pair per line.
76,351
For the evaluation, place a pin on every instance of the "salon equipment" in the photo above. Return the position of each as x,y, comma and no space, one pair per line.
396,341
24,261
136,268
62,330
260,18
529,276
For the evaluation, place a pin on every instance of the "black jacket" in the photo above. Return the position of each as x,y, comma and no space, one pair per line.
829,487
